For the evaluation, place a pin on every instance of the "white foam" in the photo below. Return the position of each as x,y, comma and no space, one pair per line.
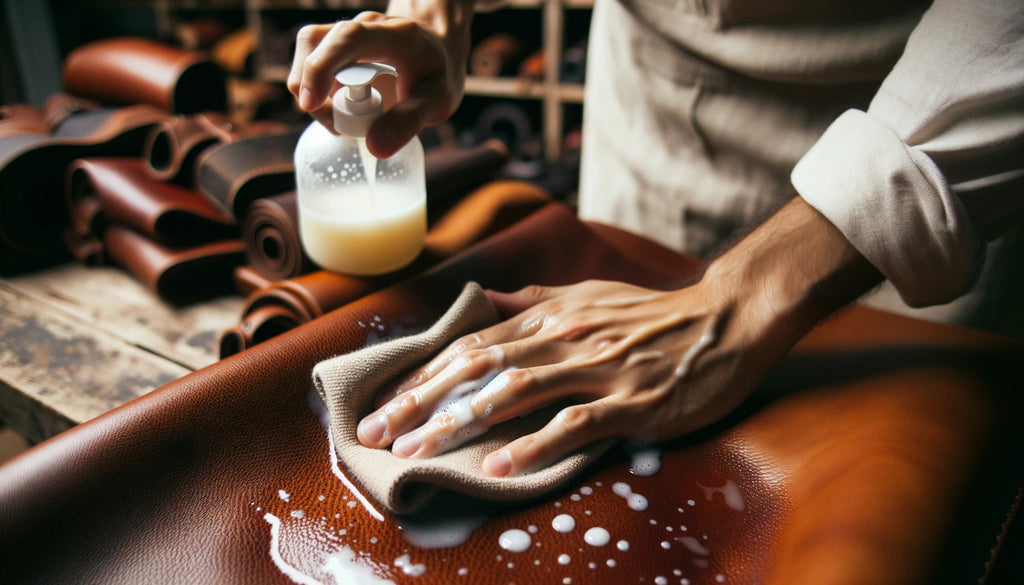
597,536
345,568
730,492
622,545
515,540
564,559
283,495
298,513
659,580
563,523
621,489
637,502
405,563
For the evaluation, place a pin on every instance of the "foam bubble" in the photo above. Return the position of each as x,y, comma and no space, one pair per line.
563,523
515,540
597,536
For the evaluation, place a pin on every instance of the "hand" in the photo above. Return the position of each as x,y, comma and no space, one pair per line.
638,363
428,48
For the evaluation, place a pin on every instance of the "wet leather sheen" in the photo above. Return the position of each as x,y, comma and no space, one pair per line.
882,450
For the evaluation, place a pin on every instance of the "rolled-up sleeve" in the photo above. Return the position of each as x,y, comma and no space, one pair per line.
935,167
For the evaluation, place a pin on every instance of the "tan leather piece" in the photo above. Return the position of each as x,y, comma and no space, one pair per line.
883,450
271,234
308,296
128,70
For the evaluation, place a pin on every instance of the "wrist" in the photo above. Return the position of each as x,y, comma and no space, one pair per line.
789,274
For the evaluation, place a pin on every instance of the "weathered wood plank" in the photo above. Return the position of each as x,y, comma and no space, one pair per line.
57,371
115,302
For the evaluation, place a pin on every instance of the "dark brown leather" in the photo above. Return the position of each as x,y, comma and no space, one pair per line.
126,70
173,148
453,172
32,168
178,275
128,196
486,211
239,172
882,450
200,34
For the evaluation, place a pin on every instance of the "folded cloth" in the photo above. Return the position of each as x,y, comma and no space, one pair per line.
349,383
127,70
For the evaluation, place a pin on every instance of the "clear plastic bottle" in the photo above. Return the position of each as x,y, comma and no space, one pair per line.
358,214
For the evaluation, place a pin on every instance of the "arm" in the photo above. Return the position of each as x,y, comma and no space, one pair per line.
426,40
642,364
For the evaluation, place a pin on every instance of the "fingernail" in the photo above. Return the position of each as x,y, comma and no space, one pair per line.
306,99
498,464
373,429
407,445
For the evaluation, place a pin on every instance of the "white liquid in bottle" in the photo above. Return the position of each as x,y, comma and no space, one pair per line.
371,230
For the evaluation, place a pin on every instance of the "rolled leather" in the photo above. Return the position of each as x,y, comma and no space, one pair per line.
32,168
173,148
271,234
883,449
128,196
484,212
128,70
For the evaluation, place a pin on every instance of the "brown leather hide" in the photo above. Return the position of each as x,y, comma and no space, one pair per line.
883,450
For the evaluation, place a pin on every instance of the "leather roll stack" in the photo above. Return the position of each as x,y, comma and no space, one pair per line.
36,146
282,304
182,245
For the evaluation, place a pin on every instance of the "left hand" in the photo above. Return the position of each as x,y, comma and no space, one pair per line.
639,363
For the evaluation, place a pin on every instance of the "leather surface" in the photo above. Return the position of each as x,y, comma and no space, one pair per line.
305,297
883,450
271,234
239,172
31,201
127,70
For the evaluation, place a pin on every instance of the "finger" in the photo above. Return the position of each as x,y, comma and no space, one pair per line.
306,42
509,304
325,115
464,419
571,429
351,41
429,102
424,373
461,377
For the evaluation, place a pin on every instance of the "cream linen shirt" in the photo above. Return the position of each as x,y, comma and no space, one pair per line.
902,123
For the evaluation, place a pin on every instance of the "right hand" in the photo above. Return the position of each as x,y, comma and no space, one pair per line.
431,70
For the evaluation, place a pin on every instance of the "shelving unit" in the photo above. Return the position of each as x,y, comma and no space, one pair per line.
550,91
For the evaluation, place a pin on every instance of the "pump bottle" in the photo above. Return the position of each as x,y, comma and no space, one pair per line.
358,214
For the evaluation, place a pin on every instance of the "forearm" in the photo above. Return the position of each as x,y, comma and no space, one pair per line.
788,274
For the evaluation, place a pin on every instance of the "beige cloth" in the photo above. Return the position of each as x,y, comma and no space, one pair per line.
349,383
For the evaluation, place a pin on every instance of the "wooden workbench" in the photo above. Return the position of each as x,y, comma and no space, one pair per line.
78,341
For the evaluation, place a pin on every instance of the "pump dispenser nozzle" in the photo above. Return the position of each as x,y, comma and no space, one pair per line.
357,104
